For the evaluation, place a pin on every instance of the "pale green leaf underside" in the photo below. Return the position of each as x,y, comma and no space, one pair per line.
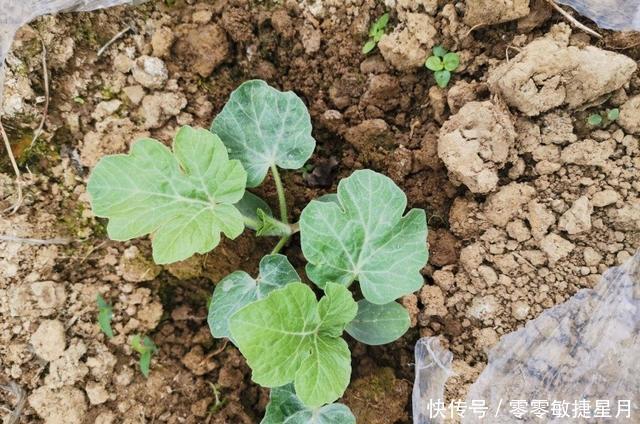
365,237
289,336
249,206
183,198
285,408
239,289
378,324
262,126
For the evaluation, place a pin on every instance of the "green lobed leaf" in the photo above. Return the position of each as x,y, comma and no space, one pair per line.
379,324
183,198
442,78
289,336
286,408
365,237
249,206
262,126
451,61
105,315
238,290
434,63
439,51
368,46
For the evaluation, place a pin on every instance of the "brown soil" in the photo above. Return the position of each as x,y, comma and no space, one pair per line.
526,204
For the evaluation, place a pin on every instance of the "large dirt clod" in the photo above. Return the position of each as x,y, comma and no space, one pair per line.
408,46
489,12
475,143
548,73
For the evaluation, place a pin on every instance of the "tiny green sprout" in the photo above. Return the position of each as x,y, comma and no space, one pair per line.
375,33
442,63
105,314
613,114
146,348
594,120
604,118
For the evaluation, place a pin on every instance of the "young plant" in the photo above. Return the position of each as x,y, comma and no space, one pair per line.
604,118
146,348
105,315
292,341
376,31
442,63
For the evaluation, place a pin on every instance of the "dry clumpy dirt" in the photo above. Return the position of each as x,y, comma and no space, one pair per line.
526,203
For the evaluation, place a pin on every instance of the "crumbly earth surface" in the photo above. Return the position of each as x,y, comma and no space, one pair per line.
526,203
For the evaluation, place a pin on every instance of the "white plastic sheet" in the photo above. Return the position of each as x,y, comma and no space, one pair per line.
620,15
583,351
15,13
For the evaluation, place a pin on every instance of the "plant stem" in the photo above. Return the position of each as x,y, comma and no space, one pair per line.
280,245
282,200
250,222
282,203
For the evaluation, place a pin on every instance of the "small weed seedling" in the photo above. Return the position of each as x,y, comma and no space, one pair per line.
375,33
442,63
146,348
187,196
105,314
604,118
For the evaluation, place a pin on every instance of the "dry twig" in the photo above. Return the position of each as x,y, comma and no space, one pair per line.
34,241
45,112
573,20
13,209
113,40
19,394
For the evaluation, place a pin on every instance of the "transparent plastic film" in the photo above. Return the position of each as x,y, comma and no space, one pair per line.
621,15
14,14
582,351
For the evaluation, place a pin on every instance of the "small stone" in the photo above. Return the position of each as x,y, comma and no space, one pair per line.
410,303
604,198
501,207
588,152
483,308
578,218
64,406
49,340
520,310
540,219
630,115
432,300
518,230
123,63
151,72
488,275
96,393
556,247
134,93
197,362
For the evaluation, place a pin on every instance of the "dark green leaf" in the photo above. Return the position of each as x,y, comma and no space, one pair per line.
105,315
145,363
